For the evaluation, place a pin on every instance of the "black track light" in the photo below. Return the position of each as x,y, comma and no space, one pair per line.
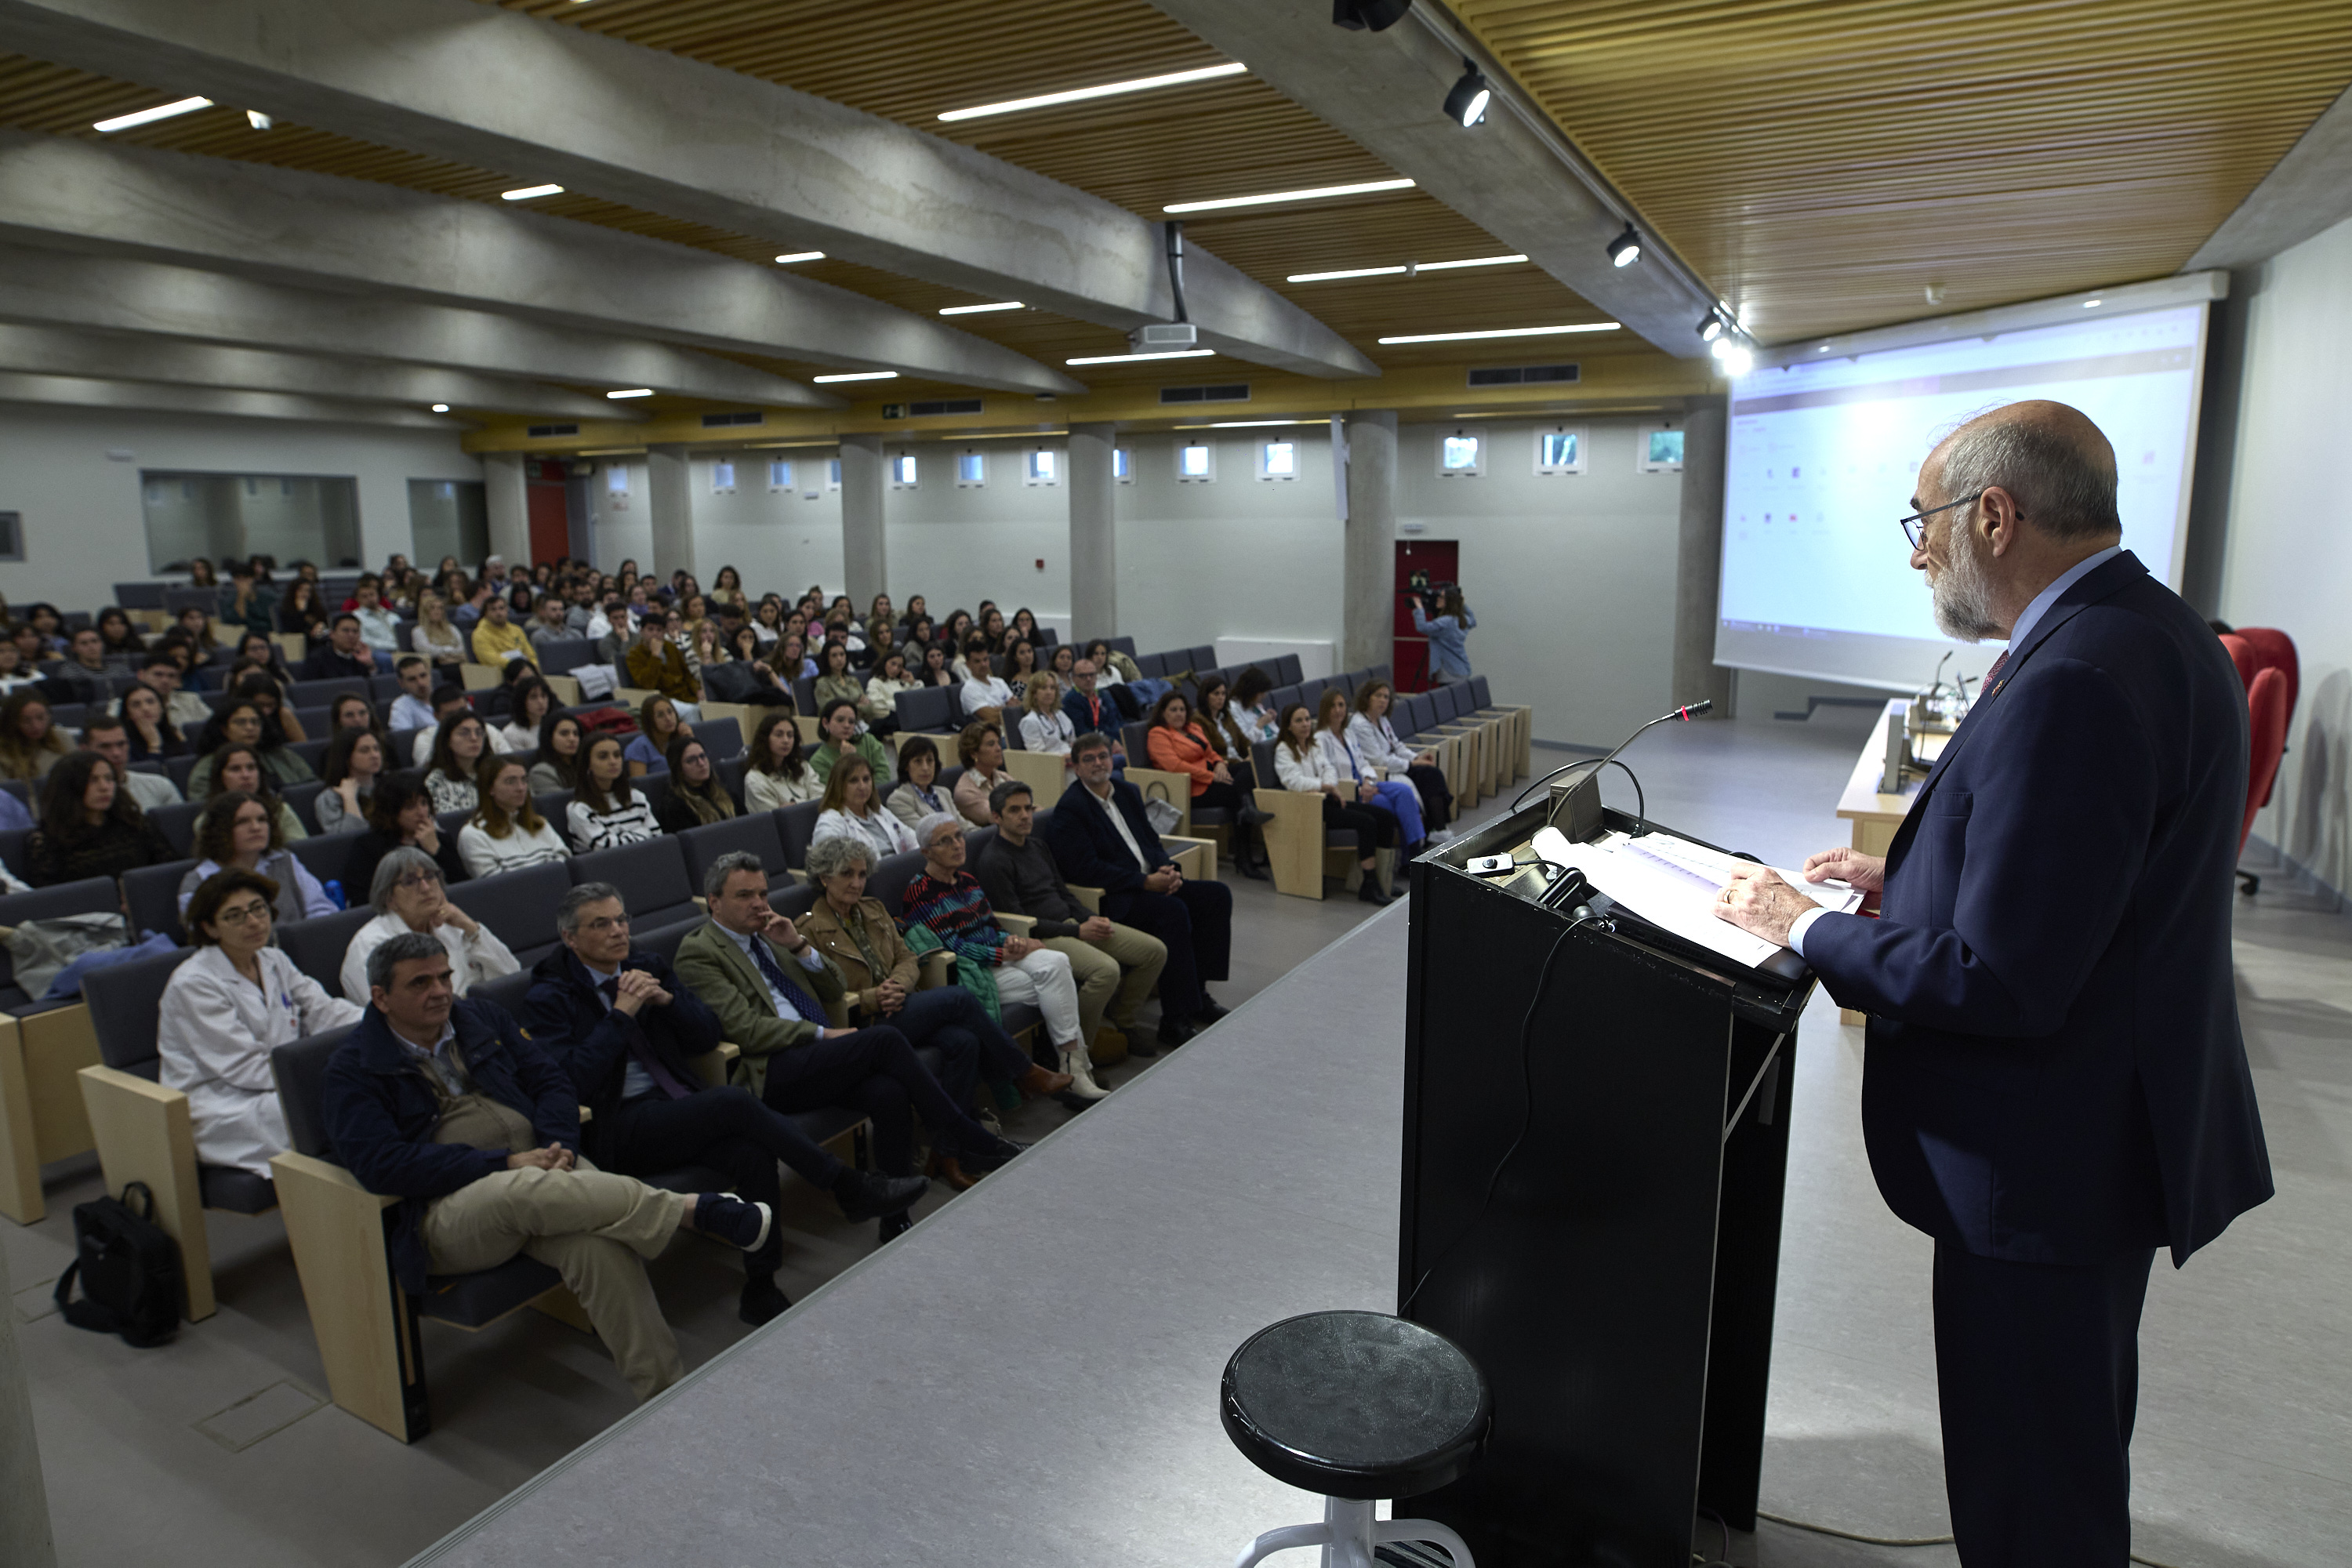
1360,16
1626,249
1711,326
1466,104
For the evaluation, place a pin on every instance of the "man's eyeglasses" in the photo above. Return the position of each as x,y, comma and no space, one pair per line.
605,923
1915,526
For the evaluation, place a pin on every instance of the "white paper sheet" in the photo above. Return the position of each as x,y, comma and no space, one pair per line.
1674,884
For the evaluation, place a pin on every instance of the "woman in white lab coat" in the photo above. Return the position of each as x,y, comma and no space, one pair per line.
224,1008
1304,767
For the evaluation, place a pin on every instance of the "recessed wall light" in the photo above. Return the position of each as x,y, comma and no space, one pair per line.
528,193
440,409
1503,332
1109,89
1400,272
1269,198
856,376
2092,304
981,310
148,116
1132,359
801,256
630,392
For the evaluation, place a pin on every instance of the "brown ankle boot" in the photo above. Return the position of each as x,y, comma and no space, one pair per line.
943,1168
1037,1082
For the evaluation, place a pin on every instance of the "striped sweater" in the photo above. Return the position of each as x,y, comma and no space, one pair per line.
956,913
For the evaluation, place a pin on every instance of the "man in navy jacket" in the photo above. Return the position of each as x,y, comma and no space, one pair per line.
1101,838
2055,1082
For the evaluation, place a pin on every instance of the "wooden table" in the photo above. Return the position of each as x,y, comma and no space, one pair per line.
1875,815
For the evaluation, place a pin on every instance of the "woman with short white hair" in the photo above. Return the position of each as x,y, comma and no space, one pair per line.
408,895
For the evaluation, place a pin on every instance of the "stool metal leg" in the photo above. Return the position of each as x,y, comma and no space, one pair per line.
1349,1533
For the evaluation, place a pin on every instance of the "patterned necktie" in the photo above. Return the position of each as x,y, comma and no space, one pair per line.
641,1048
773,973
1992,681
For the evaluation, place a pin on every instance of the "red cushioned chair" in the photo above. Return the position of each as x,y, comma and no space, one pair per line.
2242,654
2266,706
2273,649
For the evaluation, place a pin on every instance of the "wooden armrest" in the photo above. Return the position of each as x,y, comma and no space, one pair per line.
1090,896
1019,925
1196,858
586,1116
143,1134
932,969
710,1066
335,1227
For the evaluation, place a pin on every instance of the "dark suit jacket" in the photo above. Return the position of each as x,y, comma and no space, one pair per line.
2054,1072
1088,847
591,1042
325,664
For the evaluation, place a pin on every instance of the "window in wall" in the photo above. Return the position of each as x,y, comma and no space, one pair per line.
290,517
1122,465
722,478
1041,465
902,471
1277,459
1660,450
448,517
1560,451
971,470
780,476
1461,456
616,492
833,475
1196,463
12,536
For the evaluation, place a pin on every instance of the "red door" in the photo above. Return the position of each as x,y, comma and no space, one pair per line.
551,526
1421,565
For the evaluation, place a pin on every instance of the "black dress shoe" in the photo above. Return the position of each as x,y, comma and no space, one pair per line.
1254,870
864,1196
992,1156
761,1302
1174,1031
1370,892
1211,1011
1139,1043
895,1226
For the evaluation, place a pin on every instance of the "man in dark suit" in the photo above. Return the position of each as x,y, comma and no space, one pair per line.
1101,838
2054,1083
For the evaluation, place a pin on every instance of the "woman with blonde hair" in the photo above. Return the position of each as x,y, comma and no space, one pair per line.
434,636
657,725
1045,728
852,808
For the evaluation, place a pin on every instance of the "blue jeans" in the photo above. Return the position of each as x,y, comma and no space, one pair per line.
1405,801
971,1045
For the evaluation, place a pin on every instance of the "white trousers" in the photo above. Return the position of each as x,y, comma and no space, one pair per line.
1043,979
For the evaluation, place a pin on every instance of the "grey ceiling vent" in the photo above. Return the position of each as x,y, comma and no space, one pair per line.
938,406
1520,374
555,430
1231,391
720,421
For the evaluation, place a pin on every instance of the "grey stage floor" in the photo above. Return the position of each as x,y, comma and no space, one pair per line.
1028,1377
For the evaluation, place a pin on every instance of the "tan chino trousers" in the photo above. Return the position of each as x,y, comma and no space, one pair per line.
1114,976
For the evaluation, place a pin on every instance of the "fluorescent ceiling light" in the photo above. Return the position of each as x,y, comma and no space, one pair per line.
1110,90
630,392
1246,424
802,256
980,309
856,376
1400,272
440,409
1312,194
1131,359
528,192
148,116
2092,304
1503,332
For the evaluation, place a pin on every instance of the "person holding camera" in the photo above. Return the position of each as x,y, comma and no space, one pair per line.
1449,659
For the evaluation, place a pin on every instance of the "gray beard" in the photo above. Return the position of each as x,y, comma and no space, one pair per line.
1963,595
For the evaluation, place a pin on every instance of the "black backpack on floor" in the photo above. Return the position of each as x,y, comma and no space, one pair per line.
130,1271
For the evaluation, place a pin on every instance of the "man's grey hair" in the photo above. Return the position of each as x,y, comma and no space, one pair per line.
567,914
832,856
1004,792
405,948
2061,490
396,864
927,829
714,880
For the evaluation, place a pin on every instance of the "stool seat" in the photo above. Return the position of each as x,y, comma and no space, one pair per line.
1359,1405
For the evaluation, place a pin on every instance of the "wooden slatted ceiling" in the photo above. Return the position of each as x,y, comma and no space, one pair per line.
1823,161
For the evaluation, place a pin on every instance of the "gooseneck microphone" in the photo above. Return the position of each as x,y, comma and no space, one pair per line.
1583,798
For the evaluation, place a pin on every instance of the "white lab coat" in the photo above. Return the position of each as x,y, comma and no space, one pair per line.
216,1029
1378,743
1307,775
472,958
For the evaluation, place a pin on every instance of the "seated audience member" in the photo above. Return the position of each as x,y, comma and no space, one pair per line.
1394,797
837,724
955,636
238,832
30,742
90,826
853,809
770,985
1064,662
246,603
918,795
697,795
1375,740
982,687
791,660
1102,839
918,639
529,702
626,1029
980,750
299,612
947,901
353,712
413,709
16,816
836,681
934,670
408,895
447,1105
1179,744
1092,711
557,767
882,975
120,644
1019,666
551,622
355,760
1023,626
1115,967
606,809
266,691
16,674
448,701
400,813
656,664
745,678
882,691
458,748
239,768
341,656
507,833
257,652
1302,764
775,774
224,1010
111,739
657,725
159,672
379,627
496,637
1118,680
239,723
84,675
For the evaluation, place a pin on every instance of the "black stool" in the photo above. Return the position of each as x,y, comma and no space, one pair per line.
1358,1406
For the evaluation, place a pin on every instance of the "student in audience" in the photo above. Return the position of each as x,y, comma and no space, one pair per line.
955,636
550,621
1115,967
1449,656
341,656
355,760
695,797
1064,662
935,670
496,637
111,739
606,810
557,768
947,901
1019,666
1045,728
982,687
401,814
458,747
980,750
745,678
507,833
1394,797
1092,711
1023,626
266,691
409,894
882,691
791,660
90,826
768,621
918,640
1102,839
916,610
657,725
1117,673
299,611
529,700
159,672
379,627
775,773
447,1105
239,832
249,604
413,709
836,679
726,588
919,793
434,635
118,640
148,733
255,652
1302,764
352,711
656,664
853,807
837,724
236,767
1375,740
16,674
84,675
1179,744
240,722
234,1000
201,573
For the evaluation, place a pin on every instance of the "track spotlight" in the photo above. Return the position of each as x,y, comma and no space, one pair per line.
1359,16
1466,104
1626,249
1710,327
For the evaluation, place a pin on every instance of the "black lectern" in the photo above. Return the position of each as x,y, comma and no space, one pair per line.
1617,1288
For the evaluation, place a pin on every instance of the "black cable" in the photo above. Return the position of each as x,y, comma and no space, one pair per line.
1894,1539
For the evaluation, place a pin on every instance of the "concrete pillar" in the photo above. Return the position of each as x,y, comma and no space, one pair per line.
509,509
669,482
1093,485
1369,575
1698,562
865,542
24,1538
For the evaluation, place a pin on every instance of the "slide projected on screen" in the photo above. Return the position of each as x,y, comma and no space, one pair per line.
1821,458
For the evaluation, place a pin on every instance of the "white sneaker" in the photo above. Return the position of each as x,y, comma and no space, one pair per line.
1082,1076
1440,835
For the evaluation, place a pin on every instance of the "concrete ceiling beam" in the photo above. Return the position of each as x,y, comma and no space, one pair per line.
144,396
2307,193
